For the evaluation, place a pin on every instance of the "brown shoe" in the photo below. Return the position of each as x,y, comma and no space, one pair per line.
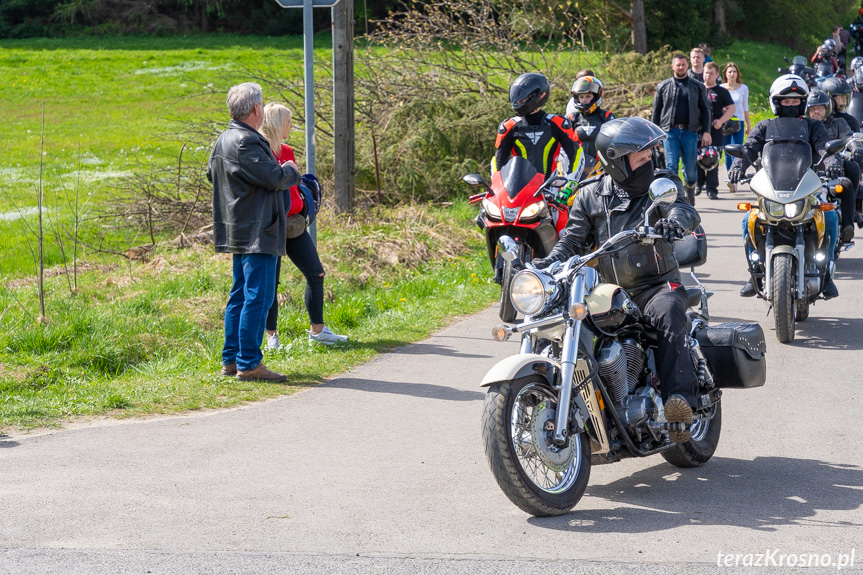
261,373
677,410
229,369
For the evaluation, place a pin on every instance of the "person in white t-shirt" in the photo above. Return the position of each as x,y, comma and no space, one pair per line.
740,94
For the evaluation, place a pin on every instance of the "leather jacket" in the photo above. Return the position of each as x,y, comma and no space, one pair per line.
665,103
598,213
248,204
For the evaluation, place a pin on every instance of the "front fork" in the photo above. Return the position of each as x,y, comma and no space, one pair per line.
799,251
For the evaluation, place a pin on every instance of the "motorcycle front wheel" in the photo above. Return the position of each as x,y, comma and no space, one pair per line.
784,296
537,476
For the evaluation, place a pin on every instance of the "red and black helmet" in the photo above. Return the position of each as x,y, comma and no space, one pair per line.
708,157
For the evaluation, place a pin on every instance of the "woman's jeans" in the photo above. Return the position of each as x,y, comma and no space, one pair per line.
735,138
680,145
251,295
304,255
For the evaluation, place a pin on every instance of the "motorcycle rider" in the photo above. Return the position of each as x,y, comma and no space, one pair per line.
533,134
787,98
826,53
819,106
616,201
583,109
840,91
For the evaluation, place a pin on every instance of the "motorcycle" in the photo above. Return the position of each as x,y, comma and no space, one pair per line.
786,228
583,389
520,204
799,66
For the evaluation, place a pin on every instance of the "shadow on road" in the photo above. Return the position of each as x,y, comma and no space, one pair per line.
407,348
425,390
842,333
778,491
5,443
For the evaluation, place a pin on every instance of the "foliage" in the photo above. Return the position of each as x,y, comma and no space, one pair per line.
805,23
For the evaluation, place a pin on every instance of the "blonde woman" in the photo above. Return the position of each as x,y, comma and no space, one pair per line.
301,249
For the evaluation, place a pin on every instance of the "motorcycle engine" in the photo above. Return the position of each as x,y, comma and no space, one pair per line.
620,365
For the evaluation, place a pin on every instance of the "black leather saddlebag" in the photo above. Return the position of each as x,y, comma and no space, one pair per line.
735,353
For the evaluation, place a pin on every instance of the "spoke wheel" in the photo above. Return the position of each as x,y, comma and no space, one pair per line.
539,477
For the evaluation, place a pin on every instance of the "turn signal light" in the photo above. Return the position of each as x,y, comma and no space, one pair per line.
499,333
744,206
826,207
578,311
599,400
839,188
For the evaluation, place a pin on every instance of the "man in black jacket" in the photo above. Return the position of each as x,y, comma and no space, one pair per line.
614,202
248,221
680,109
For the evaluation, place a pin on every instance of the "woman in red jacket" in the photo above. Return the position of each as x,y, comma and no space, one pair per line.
301,249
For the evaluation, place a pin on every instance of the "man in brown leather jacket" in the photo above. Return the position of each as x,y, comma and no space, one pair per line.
614,202
248,221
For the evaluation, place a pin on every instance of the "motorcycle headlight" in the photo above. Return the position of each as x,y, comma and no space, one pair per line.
490,208
527,292
532,210
774,209
794,209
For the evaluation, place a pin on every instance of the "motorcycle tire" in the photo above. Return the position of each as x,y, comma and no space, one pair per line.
537,477
784,297
507,311
698,450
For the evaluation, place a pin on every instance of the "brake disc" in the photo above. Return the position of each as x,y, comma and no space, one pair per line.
552,456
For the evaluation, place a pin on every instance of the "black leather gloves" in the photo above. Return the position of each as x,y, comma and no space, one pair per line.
670,229
734,174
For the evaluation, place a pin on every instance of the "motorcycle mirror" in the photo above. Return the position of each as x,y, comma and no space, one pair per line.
734,150
474,180
662,191
786,59
834,146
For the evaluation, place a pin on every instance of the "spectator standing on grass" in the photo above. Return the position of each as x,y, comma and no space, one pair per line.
740,95
680,110
696,58
248,222
721,110
300,248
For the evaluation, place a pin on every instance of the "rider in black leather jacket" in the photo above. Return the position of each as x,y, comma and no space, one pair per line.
617,201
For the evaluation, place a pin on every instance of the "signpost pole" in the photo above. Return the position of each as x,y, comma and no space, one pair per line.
343,104
309,94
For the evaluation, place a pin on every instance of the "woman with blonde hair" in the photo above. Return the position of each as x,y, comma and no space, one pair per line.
740,94
300,249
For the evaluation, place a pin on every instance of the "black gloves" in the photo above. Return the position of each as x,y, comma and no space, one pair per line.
857,156
670,229
734,174
835,171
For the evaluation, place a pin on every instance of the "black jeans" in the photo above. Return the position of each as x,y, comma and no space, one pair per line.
304,255
709,180
664,310
848,198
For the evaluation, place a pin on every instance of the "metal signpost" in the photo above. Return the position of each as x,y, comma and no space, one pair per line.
343,92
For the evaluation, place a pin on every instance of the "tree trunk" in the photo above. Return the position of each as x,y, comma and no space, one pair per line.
719,16
639,30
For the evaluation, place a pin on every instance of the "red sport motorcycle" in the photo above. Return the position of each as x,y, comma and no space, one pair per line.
521,204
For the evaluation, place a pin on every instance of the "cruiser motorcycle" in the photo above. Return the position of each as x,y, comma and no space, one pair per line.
583,389
789,259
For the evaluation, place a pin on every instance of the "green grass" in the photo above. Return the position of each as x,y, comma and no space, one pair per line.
147,338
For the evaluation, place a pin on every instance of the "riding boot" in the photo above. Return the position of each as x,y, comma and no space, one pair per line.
749,289
829,291
690,192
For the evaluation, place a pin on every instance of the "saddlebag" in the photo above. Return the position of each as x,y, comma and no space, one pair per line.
735,353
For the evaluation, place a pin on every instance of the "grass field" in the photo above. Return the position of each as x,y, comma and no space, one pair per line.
142,338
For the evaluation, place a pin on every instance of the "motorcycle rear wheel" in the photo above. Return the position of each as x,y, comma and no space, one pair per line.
698,450
784,296
536,476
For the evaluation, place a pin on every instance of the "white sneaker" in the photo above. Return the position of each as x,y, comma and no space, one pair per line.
273,341
327,337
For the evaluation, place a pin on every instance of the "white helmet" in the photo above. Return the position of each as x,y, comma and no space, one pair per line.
788,86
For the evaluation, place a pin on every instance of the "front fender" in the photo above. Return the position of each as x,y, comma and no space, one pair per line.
521,365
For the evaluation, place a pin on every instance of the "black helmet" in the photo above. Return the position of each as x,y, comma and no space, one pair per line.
708,157
587,85
528,92
829,45
836,87
858,79
621,137
819,98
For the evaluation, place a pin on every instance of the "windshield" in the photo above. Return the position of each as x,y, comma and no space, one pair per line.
516,174
786,163
801,60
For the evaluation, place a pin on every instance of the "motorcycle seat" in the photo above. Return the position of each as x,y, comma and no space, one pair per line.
693,296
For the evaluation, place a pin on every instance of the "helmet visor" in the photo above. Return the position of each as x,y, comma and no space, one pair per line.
635,135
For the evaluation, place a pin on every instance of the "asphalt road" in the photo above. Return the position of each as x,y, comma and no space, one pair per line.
381,470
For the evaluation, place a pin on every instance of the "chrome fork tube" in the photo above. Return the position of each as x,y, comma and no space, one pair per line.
800,249
568,356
